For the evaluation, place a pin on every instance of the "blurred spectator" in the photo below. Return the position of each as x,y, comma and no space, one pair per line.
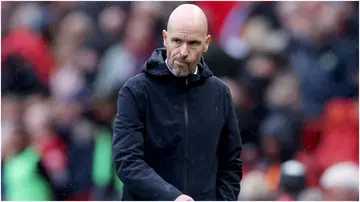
24,175
107,184
291,67
74,29
26,62
340,182
255,188
310,195
279,143
86,61
251,158
283,93
325,70
244,106
77,132
257,74
11,109
125,59
292,180
110,20
50,147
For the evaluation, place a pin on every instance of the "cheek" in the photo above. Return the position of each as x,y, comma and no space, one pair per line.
195,56
171,52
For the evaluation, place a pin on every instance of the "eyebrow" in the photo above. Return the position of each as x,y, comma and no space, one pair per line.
175,37
197,41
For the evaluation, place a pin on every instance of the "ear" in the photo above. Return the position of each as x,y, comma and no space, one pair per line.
207,42
165,36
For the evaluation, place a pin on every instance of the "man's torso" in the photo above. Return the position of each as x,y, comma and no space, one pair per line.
183,125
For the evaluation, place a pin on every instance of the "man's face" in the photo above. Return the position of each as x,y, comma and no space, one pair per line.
184,48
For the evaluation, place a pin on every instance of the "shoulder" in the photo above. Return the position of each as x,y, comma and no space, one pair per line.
131,94
135,84
219,84
136,81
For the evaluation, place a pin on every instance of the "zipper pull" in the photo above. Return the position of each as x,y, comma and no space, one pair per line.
186,81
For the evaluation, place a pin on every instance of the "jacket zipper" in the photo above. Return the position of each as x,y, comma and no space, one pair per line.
186,138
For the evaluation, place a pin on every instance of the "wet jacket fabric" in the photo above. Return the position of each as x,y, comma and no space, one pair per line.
176,136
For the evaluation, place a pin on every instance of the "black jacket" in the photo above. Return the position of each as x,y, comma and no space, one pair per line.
176,136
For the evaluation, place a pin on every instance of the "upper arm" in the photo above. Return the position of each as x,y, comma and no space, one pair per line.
230,139
231,131
230,146
130,108
128,149
128,125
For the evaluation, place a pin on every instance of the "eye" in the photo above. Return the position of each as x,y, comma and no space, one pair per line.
176,41
194,43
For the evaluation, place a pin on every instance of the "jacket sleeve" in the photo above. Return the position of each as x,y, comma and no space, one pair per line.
229,150
128,150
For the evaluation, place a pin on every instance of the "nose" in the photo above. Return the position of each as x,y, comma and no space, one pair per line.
184,51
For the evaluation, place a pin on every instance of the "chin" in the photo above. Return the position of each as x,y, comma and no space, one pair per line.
180,72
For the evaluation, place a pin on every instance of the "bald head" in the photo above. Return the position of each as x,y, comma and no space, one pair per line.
188,16
186,39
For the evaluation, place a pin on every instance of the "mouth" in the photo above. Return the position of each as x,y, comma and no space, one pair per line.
181,62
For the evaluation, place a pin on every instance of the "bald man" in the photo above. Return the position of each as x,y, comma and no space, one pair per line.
176,135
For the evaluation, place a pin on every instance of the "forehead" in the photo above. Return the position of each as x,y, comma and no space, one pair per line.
187,29
187,35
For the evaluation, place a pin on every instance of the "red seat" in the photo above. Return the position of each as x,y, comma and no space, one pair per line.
331,138
340,135
337,146
311,134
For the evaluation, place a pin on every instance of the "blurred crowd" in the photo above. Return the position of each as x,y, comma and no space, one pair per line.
292,68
